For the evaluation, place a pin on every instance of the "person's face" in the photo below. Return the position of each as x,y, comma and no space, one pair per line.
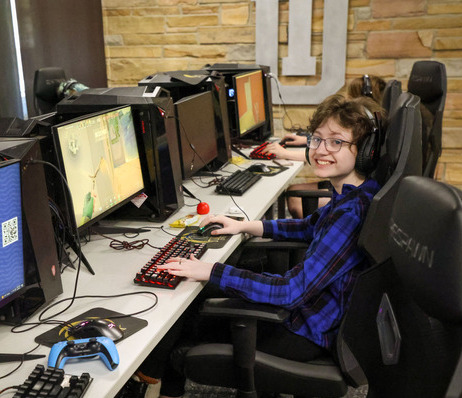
338,167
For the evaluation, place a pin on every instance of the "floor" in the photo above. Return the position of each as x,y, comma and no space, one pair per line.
194,390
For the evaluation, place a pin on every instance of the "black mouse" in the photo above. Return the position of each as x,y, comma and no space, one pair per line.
259,168
207,229
94,328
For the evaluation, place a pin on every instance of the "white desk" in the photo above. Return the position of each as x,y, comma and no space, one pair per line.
114,274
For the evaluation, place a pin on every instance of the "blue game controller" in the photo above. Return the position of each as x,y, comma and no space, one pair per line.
103,347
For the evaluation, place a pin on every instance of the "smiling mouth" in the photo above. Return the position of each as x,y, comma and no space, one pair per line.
323,162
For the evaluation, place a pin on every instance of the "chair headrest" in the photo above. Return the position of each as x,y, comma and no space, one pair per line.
427,80
425,238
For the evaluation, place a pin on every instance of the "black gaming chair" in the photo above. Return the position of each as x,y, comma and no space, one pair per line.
428,81
254,373
391,94
413,313
46,83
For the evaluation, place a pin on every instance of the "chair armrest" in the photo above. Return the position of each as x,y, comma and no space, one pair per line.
267,243
239,308
309,194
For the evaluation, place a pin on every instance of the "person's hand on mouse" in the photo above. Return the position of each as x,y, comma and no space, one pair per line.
292,139
233,227
191,268
230,226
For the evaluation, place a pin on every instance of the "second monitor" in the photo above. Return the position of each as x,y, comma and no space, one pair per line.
196,133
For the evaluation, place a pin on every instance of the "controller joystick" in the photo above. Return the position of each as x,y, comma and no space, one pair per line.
103,347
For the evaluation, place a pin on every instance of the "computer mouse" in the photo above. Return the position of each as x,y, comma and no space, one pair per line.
207,229
94,328
259,168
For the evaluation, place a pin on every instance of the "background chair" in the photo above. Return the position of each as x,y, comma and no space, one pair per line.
51,86
251,372
391,94
428,81
414,309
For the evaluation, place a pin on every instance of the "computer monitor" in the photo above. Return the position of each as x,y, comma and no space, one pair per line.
155,128
261,130
196,132
99,157
250,102
183,83
12,271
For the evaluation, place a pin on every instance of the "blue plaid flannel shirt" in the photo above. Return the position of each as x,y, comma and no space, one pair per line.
317,290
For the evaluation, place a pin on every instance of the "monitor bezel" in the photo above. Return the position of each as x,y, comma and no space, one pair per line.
57,149
256,126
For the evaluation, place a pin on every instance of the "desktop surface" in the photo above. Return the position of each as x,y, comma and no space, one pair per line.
115,271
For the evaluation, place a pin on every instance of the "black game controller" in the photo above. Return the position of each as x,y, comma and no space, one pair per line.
103,347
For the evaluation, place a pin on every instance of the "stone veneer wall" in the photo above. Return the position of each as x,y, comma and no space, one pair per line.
385,38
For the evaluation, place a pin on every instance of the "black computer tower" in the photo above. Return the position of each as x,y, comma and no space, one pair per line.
181,84
42,271
155,125
228,70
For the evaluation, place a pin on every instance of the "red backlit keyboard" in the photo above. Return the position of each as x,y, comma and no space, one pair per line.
257,152
149,275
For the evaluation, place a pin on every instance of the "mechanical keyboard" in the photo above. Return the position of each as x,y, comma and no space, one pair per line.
149,275
53,382
237,183
257,152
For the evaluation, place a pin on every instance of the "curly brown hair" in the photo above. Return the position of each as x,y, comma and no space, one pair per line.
355,88
350,113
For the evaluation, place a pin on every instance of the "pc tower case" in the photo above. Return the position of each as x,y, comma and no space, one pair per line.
155,126
228,70
181,84
43,276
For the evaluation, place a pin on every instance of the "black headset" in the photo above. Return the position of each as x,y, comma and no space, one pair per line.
367,86
369,151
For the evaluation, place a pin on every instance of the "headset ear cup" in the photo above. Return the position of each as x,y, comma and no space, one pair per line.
367,157
307,154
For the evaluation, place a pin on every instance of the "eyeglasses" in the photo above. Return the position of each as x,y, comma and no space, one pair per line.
331,144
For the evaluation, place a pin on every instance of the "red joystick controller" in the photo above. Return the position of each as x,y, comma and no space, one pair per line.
203,208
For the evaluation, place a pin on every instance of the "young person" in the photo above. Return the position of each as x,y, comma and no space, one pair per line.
317,290
365,86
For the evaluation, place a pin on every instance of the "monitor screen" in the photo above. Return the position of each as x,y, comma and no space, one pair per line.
196,132
12,279
250,101
99,157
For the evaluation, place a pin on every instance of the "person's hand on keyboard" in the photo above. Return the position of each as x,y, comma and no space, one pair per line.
276,149
191,268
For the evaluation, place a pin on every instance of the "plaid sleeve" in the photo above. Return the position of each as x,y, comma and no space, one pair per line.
329,256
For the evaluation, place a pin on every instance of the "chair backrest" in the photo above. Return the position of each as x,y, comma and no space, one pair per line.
391,94
428,81
401,156
409,307
46,83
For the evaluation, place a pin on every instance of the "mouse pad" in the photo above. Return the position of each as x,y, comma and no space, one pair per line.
273,171
128,324
213,242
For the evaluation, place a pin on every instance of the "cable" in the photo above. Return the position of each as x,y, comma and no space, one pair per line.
16,368
272,76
